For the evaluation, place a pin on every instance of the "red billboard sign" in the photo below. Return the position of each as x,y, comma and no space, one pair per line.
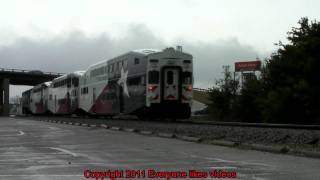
248,66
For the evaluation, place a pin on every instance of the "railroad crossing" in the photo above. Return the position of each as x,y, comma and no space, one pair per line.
19,77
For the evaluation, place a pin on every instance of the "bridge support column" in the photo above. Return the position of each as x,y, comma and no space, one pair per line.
4,97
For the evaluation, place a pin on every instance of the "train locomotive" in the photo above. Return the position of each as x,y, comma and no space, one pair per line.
147,83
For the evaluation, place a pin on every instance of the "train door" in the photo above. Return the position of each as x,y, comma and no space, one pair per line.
68,103
121,99
94,99
42,103
171,88
55,103
93,95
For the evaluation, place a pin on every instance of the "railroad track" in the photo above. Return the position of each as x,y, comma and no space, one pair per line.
259,125
215,123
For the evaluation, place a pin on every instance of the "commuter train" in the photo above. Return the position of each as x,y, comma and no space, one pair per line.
147,83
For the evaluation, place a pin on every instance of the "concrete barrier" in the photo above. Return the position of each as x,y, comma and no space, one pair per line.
260,147
104,126
311,154
146,132
223,143
129,130
166,135
189,138
116,128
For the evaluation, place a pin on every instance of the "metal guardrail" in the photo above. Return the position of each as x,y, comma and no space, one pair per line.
258,125
201,90
30,71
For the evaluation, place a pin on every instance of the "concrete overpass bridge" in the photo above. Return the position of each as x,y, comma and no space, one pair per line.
20,77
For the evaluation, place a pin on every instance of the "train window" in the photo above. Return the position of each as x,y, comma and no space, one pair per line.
101,70
122,64
74,93
112,65
136,60
75,82
84,90
61,101
50,97
169,77
153,77
187,61
154,61
125,65
69,82
117,67
187,77
134,81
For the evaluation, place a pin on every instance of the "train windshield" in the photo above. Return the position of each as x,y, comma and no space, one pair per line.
169,77
153,77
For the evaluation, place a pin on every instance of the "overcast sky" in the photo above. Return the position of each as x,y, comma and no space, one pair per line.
69,35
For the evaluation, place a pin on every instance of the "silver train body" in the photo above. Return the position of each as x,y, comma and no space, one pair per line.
146,83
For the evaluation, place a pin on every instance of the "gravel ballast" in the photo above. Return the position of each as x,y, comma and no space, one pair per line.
295,138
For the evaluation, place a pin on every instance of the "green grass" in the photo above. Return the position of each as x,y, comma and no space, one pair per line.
202,97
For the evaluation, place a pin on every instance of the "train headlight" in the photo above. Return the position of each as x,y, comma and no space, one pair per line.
188,88
152,88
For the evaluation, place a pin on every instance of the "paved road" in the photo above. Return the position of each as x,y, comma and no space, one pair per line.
41,150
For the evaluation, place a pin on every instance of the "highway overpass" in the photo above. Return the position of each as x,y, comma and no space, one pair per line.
20,77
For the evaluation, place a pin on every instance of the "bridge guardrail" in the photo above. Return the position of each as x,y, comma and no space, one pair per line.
29,71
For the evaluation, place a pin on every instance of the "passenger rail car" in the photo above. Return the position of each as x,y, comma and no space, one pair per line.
64,94
39,98
146,83
35,100
25,100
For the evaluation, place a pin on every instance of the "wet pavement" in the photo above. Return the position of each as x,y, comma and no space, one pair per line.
31,149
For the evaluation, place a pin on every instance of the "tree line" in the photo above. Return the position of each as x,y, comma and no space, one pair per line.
287,90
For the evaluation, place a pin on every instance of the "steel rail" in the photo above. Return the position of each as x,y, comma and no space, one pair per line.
200,122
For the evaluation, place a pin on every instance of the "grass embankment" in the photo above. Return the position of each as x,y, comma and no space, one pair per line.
201,96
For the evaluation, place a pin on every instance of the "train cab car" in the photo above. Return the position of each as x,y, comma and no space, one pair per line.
39,98
147,83
64,94
169,84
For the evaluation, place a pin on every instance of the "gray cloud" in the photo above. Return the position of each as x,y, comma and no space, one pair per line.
76,51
